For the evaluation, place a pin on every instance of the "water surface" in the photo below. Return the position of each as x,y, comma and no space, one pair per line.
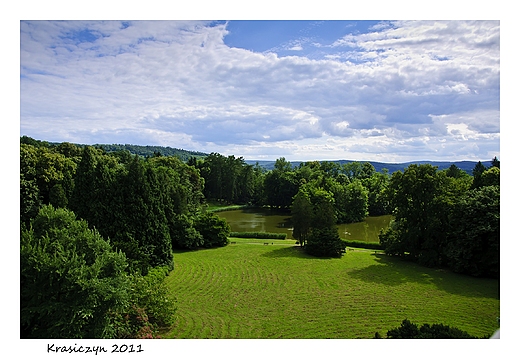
266,220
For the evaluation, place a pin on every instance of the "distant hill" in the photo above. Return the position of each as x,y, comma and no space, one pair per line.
145,151
466,166
148,151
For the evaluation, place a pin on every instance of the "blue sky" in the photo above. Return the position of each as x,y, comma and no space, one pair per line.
390,91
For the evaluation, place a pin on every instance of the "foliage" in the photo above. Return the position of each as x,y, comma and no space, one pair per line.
153,307
213,229
302,214
444,218
259,235
70,278
474,246
325,242
230,179
418,197
73,285
409,330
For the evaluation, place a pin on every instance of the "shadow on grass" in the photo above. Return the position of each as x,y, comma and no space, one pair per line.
292,252
287,252
394,271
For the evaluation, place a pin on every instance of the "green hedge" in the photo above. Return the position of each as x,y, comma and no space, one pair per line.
361,244
227,208
258,235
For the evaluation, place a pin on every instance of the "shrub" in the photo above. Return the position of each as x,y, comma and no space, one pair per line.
409,330
361,244
258,235
152,307
214,230
70,278
325,242
73,285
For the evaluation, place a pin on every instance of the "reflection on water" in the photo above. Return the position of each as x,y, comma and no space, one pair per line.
265,220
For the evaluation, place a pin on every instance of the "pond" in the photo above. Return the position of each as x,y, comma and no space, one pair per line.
266,220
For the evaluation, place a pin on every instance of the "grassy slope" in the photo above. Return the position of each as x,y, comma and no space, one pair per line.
251,290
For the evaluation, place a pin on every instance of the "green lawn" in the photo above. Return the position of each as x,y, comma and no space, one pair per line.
252,290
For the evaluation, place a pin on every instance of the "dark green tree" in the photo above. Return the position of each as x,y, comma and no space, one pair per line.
71,279
214,230
478,170
474,245
324,240
418,196
302,214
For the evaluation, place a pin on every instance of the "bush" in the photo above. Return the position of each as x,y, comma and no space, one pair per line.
409,330
214,230
361,244
70,278
73,285
325,242
152,307
258,235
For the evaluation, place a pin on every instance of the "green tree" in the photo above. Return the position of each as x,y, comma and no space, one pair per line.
302,214
280,187
324,240
474,246
478,170
214,230
495,162
491,177
70,278
419,198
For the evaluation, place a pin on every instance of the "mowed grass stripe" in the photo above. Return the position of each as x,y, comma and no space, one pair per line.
251,290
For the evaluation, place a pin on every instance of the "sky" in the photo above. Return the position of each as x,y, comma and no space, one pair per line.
388,91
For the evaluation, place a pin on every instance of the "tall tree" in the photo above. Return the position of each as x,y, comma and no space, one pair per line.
478,170
324,240
302,215
418,198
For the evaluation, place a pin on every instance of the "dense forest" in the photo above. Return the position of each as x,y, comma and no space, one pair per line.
99,225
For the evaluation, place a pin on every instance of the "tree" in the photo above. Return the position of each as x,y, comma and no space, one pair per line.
418,196
491,177
474,246
324,240
351,201
214,230
495,162
280,187
302,214
71,279
478,170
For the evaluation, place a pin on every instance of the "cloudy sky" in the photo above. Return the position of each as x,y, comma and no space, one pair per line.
390,91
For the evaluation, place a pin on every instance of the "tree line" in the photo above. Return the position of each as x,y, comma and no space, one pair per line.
446,218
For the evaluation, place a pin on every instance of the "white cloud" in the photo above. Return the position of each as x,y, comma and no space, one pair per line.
404,90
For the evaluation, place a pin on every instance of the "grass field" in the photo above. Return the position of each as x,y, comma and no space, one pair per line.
252,290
